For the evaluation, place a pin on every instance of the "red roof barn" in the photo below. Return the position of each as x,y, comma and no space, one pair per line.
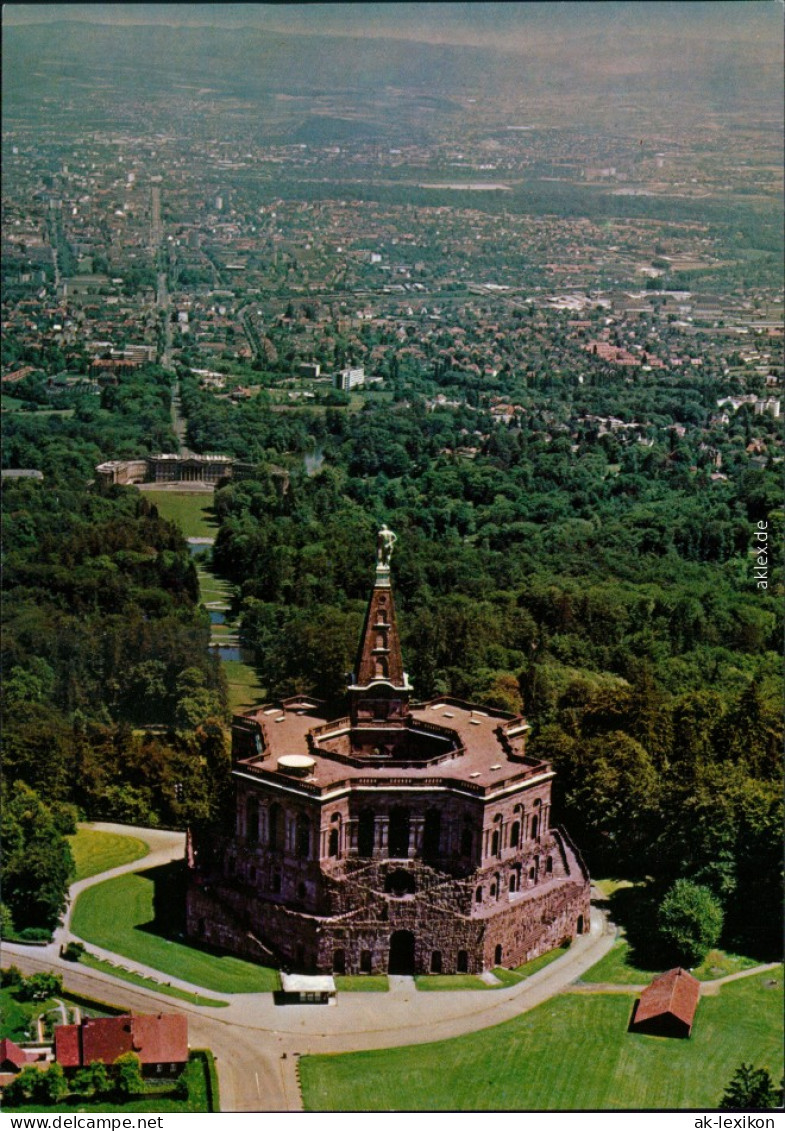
667,1007
157,1039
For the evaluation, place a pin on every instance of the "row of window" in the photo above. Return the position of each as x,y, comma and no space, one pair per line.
514,879
296,835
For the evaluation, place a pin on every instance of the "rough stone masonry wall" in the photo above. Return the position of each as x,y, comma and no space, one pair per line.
537,924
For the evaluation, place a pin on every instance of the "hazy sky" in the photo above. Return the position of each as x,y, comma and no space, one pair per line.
468,23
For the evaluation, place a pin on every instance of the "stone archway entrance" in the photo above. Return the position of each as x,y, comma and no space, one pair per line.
401,959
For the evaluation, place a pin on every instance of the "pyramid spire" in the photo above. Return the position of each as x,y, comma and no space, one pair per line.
380,687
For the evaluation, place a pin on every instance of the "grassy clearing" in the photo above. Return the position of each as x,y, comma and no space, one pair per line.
202,1094
617,967
245,690
192,511
120,915
96,851
577,1055
148,983
361,983
609,887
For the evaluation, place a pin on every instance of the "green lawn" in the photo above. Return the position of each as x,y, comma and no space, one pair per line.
148,983
437,982
202,1094
434,983
245,691
361,983
572,1053
192,511
616,967
510,977
119,916
16,1017
96,851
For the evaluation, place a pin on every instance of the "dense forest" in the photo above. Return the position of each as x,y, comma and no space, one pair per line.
601,584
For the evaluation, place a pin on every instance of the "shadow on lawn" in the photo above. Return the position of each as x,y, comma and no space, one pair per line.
170,882
634,909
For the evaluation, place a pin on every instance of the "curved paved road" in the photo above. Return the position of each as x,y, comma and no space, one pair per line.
256,1042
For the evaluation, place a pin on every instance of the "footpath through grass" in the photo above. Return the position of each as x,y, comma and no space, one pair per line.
120,915
571,1053
96,851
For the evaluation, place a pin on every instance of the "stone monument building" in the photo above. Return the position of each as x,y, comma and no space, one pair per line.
402,837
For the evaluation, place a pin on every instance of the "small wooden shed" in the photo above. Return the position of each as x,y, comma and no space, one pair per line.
667,1007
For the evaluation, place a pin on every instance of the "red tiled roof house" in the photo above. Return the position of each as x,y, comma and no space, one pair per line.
667,1007
12,1060
159,1040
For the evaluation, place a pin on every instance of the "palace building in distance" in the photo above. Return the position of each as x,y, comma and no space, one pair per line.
401,837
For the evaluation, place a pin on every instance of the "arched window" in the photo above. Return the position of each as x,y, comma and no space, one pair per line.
432,833
534,828
493,889
478,895
549,864
515,834
398,835
275,827
303,841
252,819
497,955
365,832
334,847
495,843
381,667
513,882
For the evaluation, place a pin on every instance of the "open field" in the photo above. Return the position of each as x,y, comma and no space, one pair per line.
571,1053
96,851
192,511
120,915
245,691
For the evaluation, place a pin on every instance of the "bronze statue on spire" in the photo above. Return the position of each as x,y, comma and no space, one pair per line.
385,540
